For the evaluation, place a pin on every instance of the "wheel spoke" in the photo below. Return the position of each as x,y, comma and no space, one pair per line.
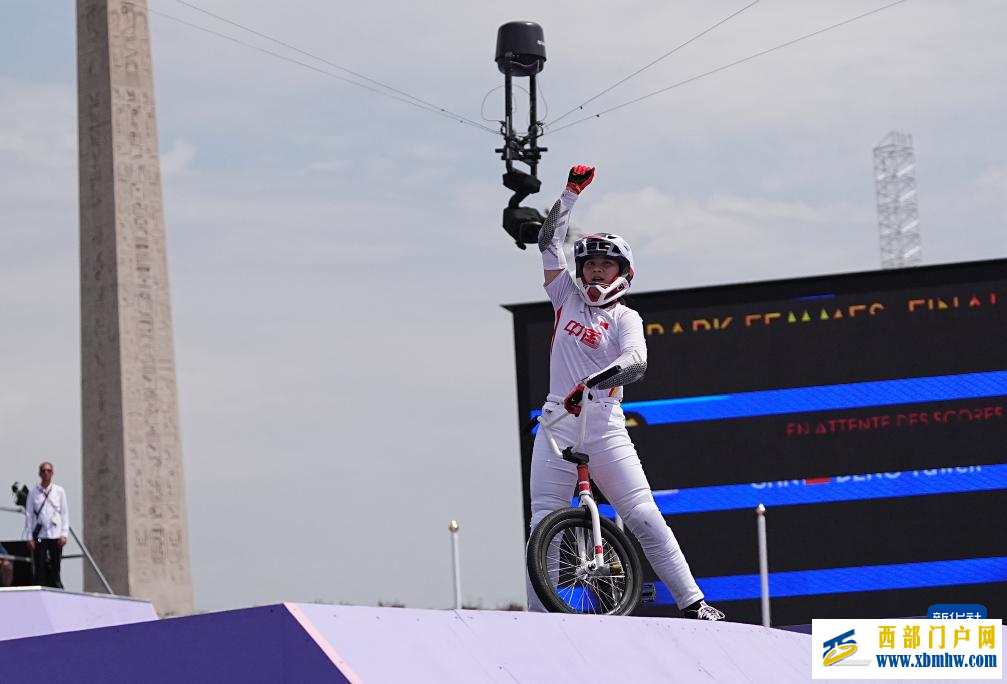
567,555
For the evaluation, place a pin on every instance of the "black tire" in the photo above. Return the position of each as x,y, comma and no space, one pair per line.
557,549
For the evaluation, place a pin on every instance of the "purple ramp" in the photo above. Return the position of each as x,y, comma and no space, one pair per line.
34,611
249,646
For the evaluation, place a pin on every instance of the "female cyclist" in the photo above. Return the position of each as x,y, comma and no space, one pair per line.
597,334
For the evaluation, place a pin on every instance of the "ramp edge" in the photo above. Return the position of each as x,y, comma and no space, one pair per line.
305,622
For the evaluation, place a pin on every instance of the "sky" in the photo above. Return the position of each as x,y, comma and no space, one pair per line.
345,368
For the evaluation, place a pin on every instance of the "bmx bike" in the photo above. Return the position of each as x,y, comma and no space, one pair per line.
578,561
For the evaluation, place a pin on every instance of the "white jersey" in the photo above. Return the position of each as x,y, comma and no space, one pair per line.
587,339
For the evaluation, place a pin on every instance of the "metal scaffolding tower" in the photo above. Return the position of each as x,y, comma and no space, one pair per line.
898,214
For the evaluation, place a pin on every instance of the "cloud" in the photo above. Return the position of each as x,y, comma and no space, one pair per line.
761,207
177,159
682,240
667,222
994,179
37,124
992,192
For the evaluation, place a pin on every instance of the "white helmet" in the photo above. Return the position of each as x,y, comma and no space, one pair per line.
608,246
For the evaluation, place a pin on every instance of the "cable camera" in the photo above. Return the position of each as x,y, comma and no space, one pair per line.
20,494
520,53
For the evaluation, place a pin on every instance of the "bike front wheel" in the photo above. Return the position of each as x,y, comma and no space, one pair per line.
560,560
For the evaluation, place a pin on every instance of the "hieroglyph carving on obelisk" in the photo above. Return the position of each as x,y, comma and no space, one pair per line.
134,490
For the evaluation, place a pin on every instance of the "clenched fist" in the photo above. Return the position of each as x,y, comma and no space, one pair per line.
580,177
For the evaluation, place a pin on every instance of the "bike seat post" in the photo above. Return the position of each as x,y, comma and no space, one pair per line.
583,480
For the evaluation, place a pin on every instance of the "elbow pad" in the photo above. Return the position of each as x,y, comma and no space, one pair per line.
553,234
628,368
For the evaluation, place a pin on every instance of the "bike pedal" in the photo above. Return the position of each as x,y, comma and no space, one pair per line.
649,593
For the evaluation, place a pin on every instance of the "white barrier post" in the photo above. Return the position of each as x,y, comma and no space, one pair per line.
760,524
455,565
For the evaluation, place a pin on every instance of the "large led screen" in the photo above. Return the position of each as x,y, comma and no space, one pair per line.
865,411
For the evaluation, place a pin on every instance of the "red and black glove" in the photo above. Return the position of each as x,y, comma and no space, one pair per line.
580,177
573,401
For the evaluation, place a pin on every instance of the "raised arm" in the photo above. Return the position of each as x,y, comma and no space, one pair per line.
553,233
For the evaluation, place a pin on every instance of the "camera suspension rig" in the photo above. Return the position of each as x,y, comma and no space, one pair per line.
520,53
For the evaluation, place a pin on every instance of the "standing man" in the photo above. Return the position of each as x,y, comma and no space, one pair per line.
48,521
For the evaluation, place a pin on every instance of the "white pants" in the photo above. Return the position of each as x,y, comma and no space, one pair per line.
617,470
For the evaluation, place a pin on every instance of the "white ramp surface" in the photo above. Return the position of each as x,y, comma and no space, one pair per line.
405,645
35,611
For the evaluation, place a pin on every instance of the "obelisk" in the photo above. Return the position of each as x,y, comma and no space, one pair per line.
133,486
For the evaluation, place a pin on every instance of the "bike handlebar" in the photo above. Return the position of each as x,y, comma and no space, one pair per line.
546,423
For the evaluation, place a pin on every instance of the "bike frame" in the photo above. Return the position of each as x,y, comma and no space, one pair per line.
583,476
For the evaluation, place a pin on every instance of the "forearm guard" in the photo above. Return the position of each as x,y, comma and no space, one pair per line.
628,368
553,234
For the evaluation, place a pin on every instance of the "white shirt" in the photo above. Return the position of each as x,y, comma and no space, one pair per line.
587,339
54,514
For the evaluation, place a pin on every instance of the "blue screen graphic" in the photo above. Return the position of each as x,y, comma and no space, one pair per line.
821,398
866,412
846,580
828,489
